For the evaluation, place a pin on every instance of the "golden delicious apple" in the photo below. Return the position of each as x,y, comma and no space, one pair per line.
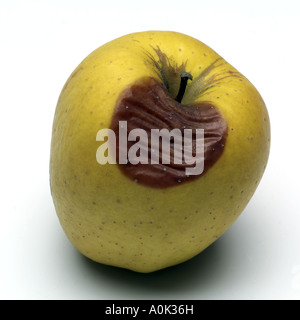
148,216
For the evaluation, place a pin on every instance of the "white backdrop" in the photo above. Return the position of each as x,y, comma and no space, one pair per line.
41,42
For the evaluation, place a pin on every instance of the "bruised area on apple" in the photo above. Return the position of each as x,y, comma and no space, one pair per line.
147,104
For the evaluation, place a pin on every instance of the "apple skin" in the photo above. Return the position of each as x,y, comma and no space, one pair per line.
116,221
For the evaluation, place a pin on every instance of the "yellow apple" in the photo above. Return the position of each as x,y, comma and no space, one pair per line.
147,217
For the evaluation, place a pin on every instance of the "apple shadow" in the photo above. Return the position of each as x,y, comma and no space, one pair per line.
177,282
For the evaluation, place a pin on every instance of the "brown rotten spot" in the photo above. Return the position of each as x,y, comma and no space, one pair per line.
147,105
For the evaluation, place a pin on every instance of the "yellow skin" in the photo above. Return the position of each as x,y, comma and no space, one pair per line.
116,221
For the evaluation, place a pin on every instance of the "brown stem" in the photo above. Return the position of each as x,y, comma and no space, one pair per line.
185,76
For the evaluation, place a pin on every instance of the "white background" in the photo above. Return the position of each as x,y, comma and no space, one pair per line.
41,42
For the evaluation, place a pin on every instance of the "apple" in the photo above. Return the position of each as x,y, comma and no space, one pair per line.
146,216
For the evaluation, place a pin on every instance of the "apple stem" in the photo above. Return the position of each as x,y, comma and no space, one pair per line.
185,76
